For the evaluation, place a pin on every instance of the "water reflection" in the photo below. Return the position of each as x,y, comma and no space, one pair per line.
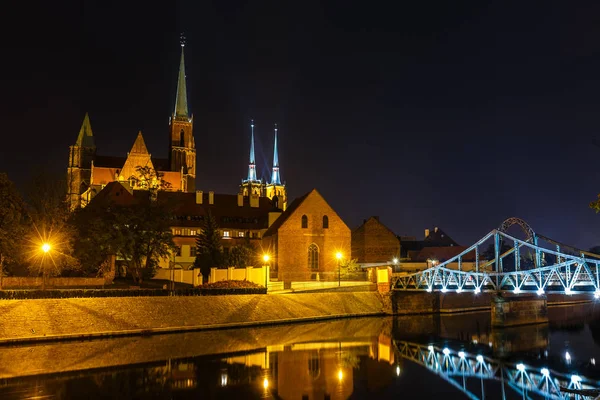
457,356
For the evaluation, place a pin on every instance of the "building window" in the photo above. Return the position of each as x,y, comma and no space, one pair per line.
225,233
325,222
193,232
178,251
304,222
177,232
255,235
192,251
313,257
240,234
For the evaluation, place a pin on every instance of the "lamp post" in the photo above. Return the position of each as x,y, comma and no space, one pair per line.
395,261
266,259
46,247
338,255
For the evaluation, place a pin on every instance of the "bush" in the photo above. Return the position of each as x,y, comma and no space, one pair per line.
81,293
231,285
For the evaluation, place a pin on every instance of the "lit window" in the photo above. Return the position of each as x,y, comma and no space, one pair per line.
240,234
177,232
193,232
225,233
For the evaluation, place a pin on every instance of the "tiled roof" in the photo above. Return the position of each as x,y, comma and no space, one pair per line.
438,237
441,253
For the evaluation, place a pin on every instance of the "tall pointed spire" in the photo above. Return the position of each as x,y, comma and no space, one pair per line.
181,106
252,165
275,178
85,137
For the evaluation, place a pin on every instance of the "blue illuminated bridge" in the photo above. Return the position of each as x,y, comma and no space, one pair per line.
472,373
534,264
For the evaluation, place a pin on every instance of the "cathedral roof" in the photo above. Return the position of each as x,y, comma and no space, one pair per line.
181,106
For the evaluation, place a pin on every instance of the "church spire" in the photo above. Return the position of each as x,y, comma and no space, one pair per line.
275,178
181,106
252,165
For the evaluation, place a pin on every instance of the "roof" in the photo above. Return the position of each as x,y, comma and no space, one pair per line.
441,254
103,175
225,209
286,214
376,220
438,237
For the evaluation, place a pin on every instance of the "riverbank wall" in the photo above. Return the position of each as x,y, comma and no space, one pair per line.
84,318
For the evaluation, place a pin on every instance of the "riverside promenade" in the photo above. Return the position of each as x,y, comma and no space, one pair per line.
81,318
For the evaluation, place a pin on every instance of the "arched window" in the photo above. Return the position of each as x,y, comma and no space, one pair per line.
304,221
313,257
325,222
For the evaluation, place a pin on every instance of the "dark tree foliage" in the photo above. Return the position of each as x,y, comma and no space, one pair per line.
209,252
139,233
242,255
12,224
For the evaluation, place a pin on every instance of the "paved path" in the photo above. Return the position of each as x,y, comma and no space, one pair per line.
39,319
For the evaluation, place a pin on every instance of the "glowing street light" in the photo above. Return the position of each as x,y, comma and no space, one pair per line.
266,258
46,247
338,255
340,375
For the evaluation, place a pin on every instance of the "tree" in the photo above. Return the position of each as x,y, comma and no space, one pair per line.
242,255
12,223
209,252
138,233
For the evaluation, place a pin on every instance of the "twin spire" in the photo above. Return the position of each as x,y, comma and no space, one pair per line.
275,177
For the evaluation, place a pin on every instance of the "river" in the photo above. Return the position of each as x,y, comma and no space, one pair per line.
450,357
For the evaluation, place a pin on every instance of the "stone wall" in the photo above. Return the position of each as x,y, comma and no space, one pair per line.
18,282
519,310
408,302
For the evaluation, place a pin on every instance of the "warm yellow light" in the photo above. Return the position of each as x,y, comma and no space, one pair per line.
340,374
266,383
46,247
338,255
395,260
266,258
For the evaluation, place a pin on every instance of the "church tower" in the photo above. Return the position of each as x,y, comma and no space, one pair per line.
81,156
182,147
275,190
251,185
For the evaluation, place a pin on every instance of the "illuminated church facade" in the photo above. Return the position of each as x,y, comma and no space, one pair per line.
88,172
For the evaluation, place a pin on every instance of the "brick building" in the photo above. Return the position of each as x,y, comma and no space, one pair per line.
373,242
304,240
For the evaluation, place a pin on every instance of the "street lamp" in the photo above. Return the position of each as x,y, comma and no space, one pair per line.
395,262
46,247
338,255
266,259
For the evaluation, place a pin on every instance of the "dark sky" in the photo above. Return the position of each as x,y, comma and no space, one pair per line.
426,113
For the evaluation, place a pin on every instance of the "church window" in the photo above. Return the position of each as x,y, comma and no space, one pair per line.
325,222
304,222
313,257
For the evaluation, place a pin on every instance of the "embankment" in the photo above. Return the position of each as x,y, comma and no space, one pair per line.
59,319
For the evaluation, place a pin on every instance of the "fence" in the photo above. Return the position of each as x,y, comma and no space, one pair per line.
194,277
191,277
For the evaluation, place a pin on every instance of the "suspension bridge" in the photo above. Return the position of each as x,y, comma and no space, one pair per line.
533,264
473,373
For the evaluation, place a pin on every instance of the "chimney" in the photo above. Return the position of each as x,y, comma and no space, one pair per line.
436,228
254,200
240,200
426,233
199,195
211,197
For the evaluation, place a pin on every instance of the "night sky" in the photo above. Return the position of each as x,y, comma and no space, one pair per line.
426,113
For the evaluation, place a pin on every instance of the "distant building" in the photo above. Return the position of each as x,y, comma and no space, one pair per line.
304,240
433,238
373,242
